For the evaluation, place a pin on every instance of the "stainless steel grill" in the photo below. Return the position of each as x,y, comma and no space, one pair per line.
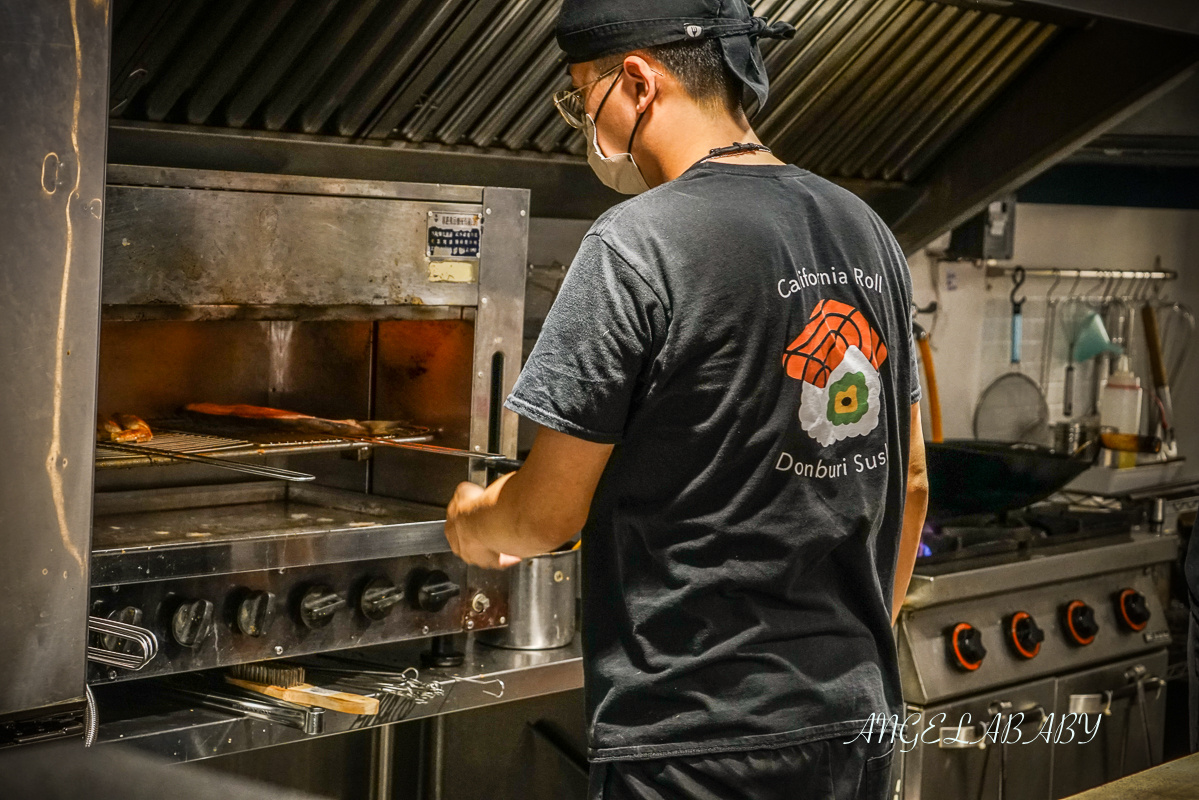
175,441
241,442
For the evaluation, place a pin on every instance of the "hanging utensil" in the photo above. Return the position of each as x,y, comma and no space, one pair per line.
1013,408
1017,314
1071,325
1050,328
222,463
1177,332
1161,383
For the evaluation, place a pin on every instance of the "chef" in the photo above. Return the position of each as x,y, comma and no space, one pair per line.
727,401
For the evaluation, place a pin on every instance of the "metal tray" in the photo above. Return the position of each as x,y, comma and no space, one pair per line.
154,534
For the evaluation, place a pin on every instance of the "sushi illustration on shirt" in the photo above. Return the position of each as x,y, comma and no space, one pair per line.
837,356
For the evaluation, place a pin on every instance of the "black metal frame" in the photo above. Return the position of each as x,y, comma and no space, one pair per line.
1181,16
1093,79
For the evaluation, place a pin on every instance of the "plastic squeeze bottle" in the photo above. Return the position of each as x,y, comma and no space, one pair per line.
1120,407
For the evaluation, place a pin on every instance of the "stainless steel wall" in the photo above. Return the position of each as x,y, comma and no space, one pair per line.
54,91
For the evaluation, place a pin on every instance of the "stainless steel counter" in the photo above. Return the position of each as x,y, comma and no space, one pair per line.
1174,779
487,677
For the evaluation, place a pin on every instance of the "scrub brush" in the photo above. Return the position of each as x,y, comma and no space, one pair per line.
286,682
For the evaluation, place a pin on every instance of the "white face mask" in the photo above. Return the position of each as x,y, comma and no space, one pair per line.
619,172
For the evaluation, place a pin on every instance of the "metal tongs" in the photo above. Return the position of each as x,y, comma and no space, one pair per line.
496,461
223,463
143,638
309,719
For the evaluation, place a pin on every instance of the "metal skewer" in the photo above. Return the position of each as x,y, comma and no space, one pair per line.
236,466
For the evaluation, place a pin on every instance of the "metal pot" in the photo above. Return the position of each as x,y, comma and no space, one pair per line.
541,604
1075,439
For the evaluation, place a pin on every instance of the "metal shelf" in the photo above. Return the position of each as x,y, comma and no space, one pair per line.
157,534
191,733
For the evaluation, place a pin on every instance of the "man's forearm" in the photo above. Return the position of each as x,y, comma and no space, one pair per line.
914,510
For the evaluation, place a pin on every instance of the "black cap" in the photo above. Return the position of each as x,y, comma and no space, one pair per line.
591,29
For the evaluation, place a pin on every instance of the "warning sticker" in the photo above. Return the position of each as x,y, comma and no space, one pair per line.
454,235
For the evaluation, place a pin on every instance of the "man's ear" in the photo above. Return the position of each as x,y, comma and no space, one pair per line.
644,79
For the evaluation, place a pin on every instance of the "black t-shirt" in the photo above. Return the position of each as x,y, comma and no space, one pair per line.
742,334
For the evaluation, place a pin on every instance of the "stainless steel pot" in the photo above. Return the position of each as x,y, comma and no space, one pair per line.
541,604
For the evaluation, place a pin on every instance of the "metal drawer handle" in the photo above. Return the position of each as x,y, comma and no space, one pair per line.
1102,703
974,737
962,738
141,637
1090,704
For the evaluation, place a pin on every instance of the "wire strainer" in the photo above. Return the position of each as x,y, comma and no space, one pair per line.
1012,408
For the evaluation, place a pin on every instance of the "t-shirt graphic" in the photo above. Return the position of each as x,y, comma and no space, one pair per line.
837,356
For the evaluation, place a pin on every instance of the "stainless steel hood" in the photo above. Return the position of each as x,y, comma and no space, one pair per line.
926,109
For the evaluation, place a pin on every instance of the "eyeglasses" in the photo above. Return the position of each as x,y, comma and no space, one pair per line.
570,104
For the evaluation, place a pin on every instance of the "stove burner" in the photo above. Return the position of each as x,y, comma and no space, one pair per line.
990,539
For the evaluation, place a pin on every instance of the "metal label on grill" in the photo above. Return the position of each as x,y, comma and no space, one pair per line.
454,235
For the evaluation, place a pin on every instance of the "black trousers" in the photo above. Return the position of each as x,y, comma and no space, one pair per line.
823,770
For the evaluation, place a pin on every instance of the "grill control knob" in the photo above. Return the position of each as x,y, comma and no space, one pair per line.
379,597
191,623
1025,635
966,646
1132,610
432,590
255,613
318,605
1081,626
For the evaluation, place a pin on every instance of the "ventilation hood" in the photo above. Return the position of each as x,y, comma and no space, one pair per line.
926,109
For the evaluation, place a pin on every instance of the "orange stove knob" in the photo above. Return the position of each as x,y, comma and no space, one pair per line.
966,647
1132,610
1080,623
1025,635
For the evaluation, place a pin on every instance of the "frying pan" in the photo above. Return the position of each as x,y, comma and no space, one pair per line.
976,477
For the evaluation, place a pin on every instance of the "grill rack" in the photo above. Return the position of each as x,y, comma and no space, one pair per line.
231,441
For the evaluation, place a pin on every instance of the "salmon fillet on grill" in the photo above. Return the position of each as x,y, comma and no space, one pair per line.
277,417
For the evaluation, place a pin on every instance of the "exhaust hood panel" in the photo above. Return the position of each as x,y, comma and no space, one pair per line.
868,89
894,99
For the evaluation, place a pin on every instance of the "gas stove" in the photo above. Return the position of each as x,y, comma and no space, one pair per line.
968,542
1048,611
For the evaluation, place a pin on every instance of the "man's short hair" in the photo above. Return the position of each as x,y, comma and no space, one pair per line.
699,67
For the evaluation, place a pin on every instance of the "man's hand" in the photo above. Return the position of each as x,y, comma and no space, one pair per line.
530,511
464,541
